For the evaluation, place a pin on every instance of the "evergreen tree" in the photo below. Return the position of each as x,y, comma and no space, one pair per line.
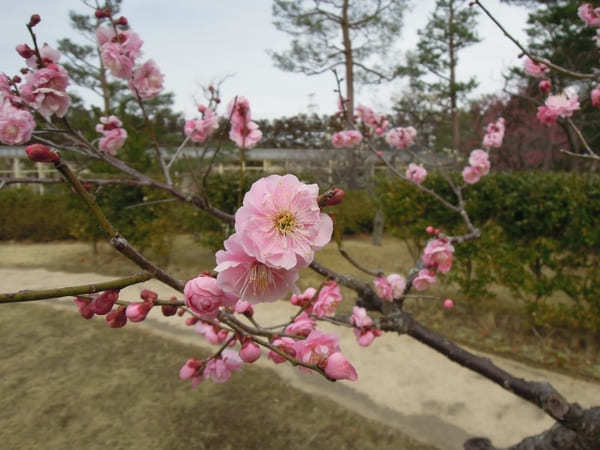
326,34
450,29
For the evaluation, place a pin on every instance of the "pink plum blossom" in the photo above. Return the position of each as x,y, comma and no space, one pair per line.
302,325
147,81
328,300
424,279
117,60
346,139
377,122
249,352
108,123
16,125
416,173
383,288
535,69
198,130
4,87
595,95
44,90
211,333
245,135
286,345
359,318
589,14
471,175
401,137
438,254
546,115
239,111
303,299
48,54
338,367
112,141
479,159
204,296
220,369
280,222
495,133
563,104
316,348
243,275
398,284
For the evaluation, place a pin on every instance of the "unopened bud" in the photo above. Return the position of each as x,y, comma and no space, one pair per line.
102,13
136,312
121,21
83,304
448,303
117,318
34,20
181,312
25,51
191,321
249,352
430,230
104,302
24,70
16,79
168,310
148,295
337,196
41,153
545,86
211,88
217,100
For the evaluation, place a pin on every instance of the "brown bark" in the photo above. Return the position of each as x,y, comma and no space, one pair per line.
349,62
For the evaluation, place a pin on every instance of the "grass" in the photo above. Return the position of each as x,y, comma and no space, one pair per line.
499,325
70,383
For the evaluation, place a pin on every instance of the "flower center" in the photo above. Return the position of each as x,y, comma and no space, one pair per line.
285,222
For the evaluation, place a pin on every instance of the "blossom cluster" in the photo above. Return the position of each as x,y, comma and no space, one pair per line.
562,105
378,123
198,130
401,138
114,135
119,51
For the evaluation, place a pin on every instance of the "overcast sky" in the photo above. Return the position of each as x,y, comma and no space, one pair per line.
197,41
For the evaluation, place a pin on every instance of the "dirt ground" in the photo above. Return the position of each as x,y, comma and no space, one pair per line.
401,382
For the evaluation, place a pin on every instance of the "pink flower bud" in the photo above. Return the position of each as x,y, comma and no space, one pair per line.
102,13
191,321
41,153
168,310
117,318
250,352
148,295
34,20
136,312
545,86
25,51
83,304
332,197
448,304
121,21
189,369
16,79
244,307
338,368
24,70
104,302
430,230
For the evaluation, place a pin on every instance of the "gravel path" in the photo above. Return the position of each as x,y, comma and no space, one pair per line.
401,382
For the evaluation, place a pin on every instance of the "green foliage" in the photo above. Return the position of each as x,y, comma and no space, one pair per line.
540,237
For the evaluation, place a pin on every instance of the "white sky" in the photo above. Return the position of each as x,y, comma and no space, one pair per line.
200,40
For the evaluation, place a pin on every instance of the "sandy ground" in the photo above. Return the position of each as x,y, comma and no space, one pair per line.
401,382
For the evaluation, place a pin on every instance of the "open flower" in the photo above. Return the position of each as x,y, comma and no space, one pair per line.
280,223
243,275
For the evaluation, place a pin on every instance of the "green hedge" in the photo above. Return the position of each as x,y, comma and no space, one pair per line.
541,230
541,237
